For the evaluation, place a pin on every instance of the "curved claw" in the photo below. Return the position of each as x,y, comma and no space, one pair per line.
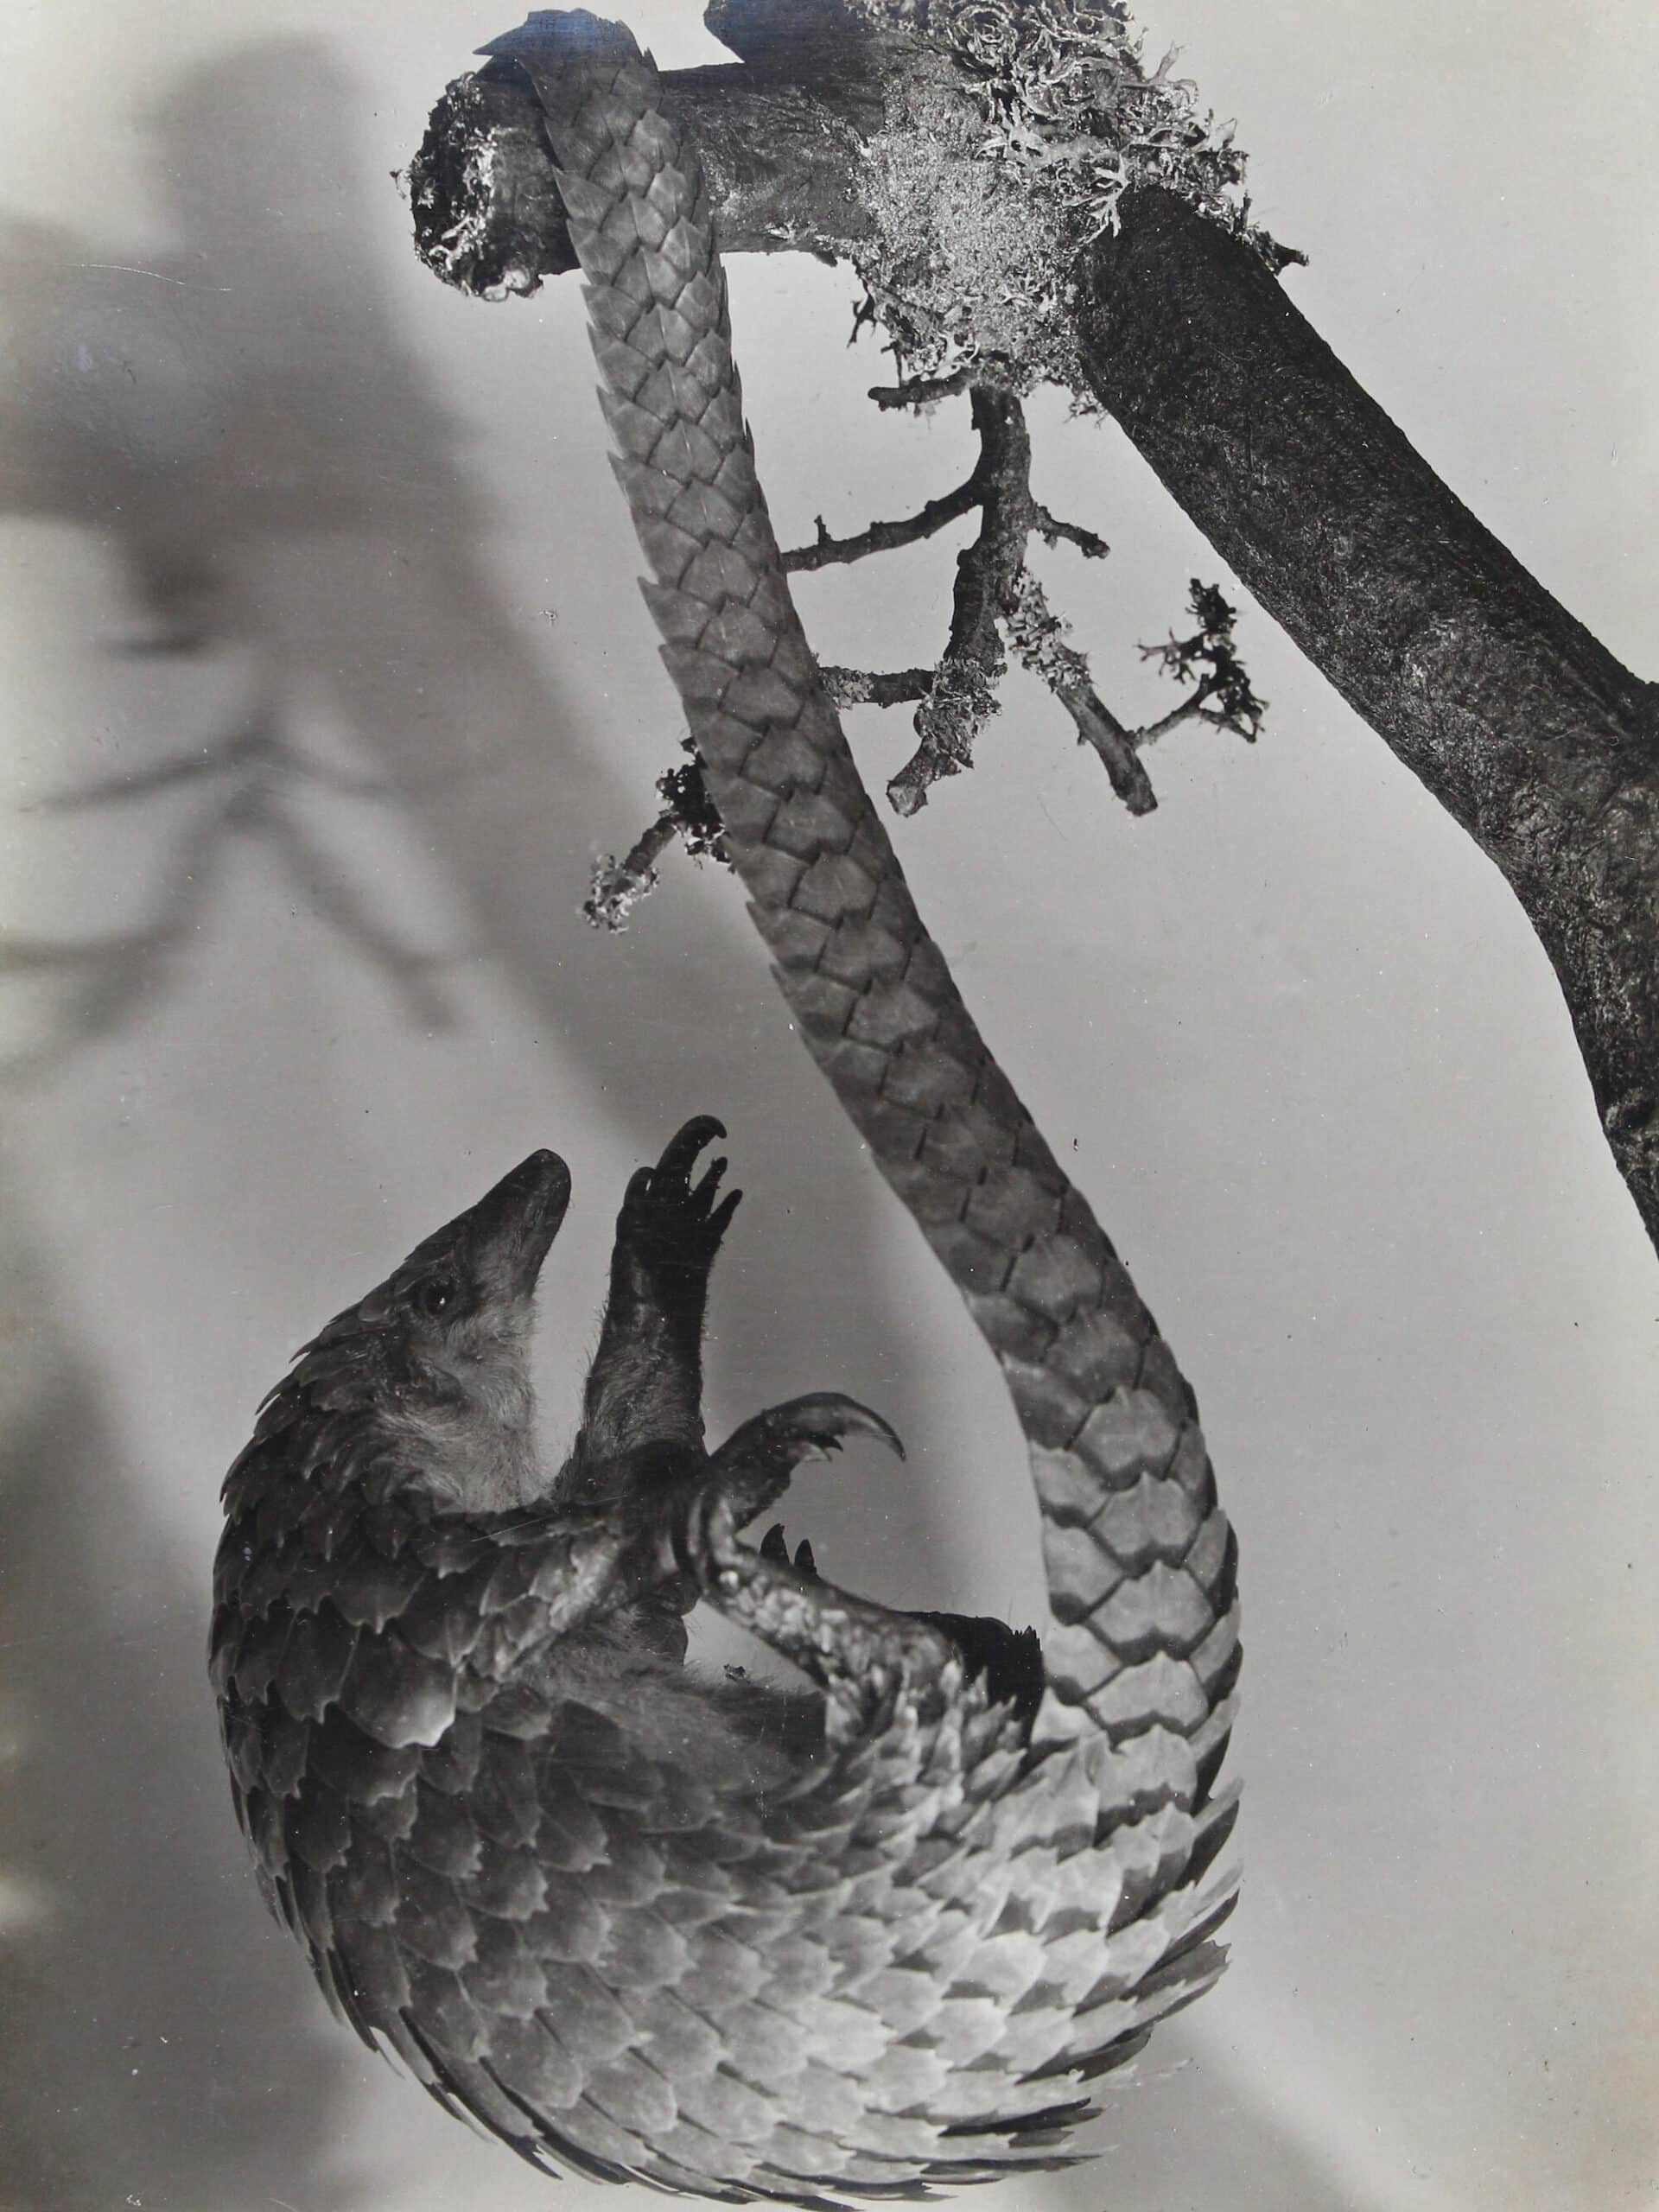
670,1177
824,1417
670,1225
754,1465
776,1550
686,1143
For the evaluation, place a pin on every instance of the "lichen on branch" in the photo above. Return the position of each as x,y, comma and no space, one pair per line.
1208,660
1009,145
999,606
986,144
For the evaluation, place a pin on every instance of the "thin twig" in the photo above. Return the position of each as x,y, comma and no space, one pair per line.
864,687
997,605
1098,726
618,886
885,537
1188,708
922,391
1051,529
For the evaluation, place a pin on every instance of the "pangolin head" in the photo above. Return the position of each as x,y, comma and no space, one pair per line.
436,1358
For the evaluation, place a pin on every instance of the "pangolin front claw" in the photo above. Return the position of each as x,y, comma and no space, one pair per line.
812,1428
752,1467
668,1222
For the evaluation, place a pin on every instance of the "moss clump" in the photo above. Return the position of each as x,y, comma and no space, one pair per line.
968,268
1009,146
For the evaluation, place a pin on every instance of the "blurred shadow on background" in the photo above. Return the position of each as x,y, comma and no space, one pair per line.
241,426
157,2046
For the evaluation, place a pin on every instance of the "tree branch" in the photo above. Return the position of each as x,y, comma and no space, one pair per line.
1521,724
781,152
1531,734
1052,531
863,687
885,537
917,393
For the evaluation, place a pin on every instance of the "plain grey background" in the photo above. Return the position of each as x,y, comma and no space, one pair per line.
265,484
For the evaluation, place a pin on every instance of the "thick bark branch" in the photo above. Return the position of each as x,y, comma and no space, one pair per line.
1528,730
779,156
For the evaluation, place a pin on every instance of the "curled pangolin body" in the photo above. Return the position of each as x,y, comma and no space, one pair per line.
626,1949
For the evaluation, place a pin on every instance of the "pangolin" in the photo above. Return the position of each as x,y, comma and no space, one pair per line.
731,1941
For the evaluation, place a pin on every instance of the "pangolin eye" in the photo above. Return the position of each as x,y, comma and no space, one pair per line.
435,1296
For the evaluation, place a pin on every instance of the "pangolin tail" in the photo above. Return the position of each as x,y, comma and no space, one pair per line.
1140,1662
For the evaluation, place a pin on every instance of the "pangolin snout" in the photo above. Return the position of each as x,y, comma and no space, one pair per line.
512,1226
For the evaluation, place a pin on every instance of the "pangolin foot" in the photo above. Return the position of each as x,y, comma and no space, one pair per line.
696,1542
668,1222
698,1533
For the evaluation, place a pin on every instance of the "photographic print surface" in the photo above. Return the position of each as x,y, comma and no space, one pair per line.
328,680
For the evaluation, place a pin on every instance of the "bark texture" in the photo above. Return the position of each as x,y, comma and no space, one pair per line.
1529,732
779,153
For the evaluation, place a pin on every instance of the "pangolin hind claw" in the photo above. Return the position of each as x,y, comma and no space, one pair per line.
774,1547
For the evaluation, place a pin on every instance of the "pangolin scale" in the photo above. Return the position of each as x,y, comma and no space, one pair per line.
724,1939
